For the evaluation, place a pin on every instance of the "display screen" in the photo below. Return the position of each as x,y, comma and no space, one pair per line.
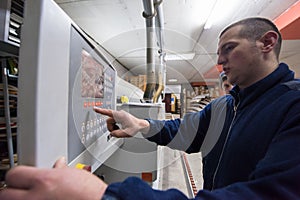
92,77
91,83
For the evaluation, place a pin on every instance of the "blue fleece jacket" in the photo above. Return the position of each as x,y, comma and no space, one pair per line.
250,142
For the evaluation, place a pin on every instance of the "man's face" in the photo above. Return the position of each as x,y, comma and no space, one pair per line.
226,86
239,57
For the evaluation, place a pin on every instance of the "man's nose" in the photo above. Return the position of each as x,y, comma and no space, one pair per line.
221,60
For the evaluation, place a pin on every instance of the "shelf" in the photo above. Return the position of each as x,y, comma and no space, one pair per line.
4,163
8,108
8,50
208,83
3,120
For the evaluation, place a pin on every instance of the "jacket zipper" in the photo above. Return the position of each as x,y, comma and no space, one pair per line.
223,148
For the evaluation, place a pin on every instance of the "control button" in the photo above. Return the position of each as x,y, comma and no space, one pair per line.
83,127
83,139
83,166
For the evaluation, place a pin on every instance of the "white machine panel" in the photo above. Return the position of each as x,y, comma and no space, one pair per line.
62,77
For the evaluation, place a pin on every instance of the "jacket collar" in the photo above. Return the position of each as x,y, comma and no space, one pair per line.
249,94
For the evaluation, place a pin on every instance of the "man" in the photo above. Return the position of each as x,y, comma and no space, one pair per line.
225,85
256,129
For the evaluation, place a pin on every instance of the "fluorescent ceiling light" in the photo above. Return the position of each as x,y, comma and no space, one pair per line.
184,56
172,80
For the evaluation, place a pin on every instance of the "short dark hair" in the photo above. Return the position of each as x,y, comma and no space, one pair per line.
253,29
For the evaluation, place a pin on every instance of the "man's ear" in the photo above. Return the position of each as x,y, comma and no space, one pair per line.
269,40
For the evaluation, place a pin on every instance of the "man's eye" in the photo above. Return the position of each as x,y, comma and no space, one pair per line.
227,49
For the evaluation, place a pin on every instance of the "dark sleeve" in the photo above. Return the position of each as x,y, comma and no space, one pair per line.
276,176
282,186
135,188
186,134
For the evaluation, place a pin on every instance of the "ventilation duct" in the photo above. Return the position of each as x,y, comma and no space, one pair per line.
154,36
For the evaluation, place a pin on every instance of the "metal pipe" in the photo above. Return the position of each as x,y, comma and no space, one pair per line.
7,113
161,78
149,15
161,71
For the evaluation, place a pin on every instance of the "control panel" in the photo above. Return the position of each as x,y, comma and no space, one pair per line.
92,83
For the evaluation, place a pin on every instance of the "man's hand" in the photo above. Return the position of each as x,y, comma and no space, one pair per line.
59,183
130,125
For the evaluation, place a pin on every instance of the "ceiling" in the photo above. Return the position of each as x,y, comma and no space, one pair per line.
119,27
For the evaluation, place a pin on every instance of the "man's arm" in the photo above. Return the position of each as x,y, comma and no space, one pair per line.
186,134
